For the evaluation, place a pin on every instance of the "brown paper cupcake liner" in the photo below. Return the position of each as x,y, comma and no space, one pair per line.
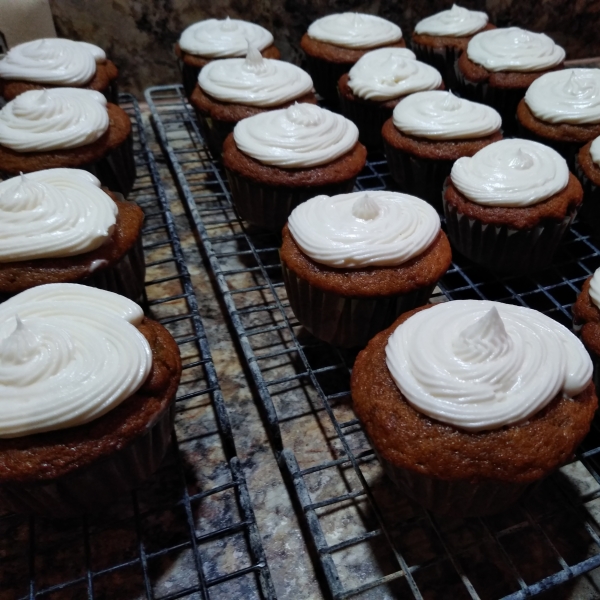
442,59
214,132
325,76
97,484
590,209
344,321
369,117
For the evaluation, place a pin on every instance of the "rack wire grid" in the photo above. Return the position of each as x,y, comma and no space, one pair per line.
188,532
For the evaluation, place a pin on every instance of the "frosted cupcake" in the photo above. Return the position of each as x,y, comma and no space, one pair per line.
67,127
353,262
277,159
376,83
587,167
428,132
56,62
468,403
509,205
207,40
232,89
586,318
334,43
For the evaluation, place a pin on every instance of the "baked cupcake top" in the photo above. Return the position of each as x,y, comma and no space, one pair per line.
388,73
439,115
566,96
511,172
53,61
57,118
300,136
68,354
355,30
454,22
254,80
221,38
479,365
514,49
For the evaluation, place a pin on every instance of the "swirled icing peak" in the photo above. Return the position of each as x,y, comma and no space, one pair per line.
355,30
364,229
511,172
567,96
53,213
68,354
223,38
481,365
388,73
54,61
514,49
302,135
439,115
54,119
254,81
454,22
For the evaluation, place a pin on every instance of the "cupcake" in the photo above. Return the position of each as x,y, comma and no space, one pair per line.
219,38
428,132
562,110
232,89
56,62
334,43
88,388
67,127
376,83
439,39
587,167
277,159
352,263
508,206
499,65
58,226
586,318
468,403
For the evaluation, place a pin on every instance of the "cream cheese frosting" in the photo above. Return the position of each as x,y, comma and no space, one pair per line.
54,119
254,80
479,365
566,96
355,30
222,38
388,73
53,213
68,354
511,172
300,136
454,22
53,61
364,229
439,115
595,151
514,49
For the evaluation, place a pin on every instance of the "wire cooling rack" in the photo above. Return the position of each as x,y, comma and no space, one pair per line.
190,531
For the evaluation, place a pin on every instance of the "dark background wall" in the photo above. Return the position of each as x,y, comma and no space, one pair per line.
139,34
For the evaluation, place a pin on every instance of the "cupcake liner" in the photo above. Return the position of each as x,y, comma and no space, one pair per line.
325,77
189,77
590,209
442,59
568,150
99,483
111,93
369,117
345,321
268,206
214,132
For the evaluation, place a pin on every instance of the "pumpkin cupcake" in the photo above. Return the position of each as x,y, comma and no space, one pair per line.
586,319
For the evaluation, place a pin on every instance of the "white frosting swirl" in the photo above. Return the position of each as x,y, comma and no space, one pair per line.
355,30
455,22
388,73
222,38
52,213
480,365
511,172
302,135
567,96
254,80
54,119
514,49
364,229
68,354
52,60
438,115
595,151
595,288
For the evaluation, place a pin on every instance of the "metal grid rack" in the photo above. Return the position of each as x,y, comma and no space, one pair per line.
367,540
188,532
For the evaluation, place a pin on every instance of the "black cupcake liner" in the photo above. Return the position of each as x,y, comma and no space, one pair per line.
111,93
325,77
214,132
369,117
345,321
441,58
590,209
189,77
